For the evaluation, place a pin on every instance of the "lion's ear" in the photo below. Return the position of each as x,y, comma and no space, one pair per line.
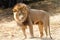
13,10
25,9
28,8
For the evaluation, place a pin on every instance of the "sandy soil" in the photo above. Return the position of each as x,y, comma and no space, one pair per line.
9,30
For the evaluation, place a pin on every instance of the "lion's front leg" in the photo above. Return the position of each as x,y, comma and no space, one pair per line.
23,30
31,31
30,24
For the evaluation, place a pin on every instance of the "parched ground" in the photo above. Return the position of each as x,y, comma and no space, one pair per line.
9,30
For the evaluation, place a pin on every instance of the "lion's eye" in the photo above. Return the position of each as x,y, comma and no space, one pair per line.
19,12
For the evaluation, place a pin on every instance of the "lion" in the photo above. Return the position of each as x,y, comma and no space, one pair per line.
25,16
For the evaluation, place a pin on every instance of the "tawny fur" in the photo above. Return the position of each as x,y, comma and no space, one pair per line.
32,16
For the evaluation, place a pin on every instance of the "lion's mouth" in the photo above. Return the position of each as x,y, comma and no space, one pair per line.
21,17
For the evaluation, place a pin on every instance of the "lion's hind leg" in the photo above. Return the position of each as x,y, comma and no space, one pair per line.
40,24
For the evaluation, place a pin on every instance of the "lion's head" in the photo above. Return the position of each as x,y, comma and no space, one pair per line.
21,10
